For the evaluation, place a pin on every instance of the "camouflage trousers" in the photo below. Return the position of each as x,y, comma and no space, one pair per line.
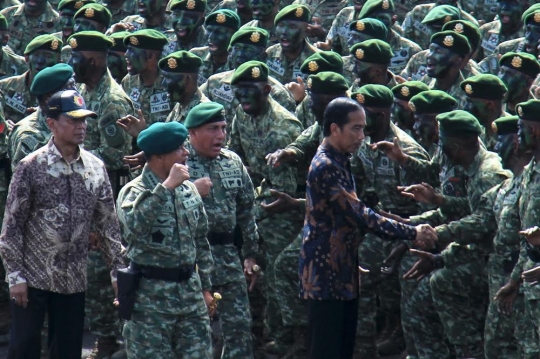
99,309
507,336
408,287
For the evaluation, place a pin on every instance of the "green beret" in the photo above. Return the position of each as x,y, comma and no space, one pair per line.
118,41
373,52
293,12
506,125
3,23
224,17
432,101
73,5
452,41
51,79
374,96
44,42
181,62
162,137
467,29
372,6
531,15
252,71
327,83
522,62
529,111
441,14
322,61
250,35
89,41
188,5
95,12
370,27
148,39
484,86
458,124
408,89
203,113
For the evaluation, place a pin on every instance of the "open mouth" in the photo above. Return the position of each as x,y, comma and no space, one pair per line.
212,47
505,19
181,32
284,43
67,31
217,147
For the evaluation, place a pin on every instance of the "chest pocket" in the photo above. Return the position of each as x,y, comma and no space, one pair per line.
190,205
162,230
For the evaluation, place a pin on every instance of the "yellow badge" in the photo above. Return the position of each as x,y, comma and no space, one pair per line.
412,107
448,41
359,54
385,4
405,91
172,63
73,43
312,66
447,18
220,18
255,72
54,44
520,111
360,26
309,83
537,17
494,127
78,100
458,28
89,12
360,98
468,89
78,5
299,12
255,36
516,62
133,41
191,4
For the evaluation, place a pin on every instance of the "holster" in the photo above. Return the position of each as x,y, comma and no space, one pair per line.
128,283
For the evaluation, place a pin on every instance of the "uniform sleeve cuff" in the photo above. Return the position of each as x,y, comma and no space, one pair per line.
15,278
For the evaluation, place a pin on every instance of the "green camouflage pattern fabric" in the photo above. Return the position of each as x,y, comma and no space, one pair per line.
304,114
416,68
272,39
455,90
490,64
139,23
173,45
306,144
325,10
179,113
11,64
484,10
207,68
17,101
393,80
153,101
23,29
129,7
403,49
283,70
339,31
492,37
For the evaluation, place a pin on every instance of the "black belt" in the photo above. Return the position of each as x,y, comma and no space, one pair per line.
178,274
220,238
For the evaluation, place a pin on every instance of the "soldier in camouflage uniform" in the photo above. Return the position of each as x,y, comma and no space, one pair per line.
220,27
151,15
338,35
43,51
120,9
435,19
187,21
28,21
11,64
165,224
264,14
240,7
66,10
517,71
323,14
362,30
402,114
116,61
228,197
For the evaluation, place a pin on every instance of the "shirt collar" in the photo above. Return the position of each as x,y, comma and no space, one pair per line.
340,157
54,155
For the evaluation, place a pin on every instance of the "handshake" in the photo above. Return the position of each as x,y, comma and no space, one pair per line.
426,237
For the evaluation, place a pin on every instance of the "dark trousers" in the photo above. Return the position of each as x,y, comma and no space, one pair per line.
66,323
331,328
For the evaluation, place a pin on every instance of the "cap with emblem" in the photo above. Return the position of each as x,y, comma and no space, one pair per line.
529,110
373,51
250,35
441,14
89,41
484,86
188,5
458,124
322,61
432,101
3,23
203,113
506,125
148,39
44,42
250,71
408,89
452,41
327,83
118,41
225,18
295,12
73,5
162,137
521,61
370,27
531,15
51,79
374,96
181,62
94,12
467,29
69,103
372,6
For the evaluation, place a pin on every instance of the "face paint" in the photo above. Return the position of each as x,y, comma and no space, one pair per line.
135,60
505,148
515,82
82,66
4,37
66,22
527,140
439,61
219,38
450,150
186,23
403,115
509,13
426,130
373,121
176,85
356,38
317,104
291,34
149,8
262,9
363,72
477,107
243,6
358,4
34,6
532,38
241,53
116,62
82,24
384,16
251,96
40,59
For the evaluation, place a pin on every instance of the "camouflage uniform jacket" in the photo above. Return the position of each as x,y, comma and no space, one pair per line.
252,138
455,91
179,114
416,68
166,229
22,29
174,45
16,100
491,37
218,89
339,32
129,7
325,10
283,70
104,138
393,80
306,144
7,3
139,23
231,5
484,10
207,68
152,101
272,40
403,50
230,202
11,63
490,64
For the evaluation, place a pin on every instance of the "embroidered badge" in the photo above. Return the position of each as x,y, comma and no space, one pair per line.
255,72
448,41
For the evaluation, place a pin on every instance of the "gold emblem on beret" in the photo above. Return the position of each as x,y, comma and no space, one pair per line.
405,91
54,44
73,43
255,72
458,28
312,66
516,62
412,107
537,17
220,18
468,89
360,26
172,63
78,5
255,36
89,12
309,83
133,41
520,111
360,98
447,18
494,127
359,54
191,4
385,4
299,12
448,41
